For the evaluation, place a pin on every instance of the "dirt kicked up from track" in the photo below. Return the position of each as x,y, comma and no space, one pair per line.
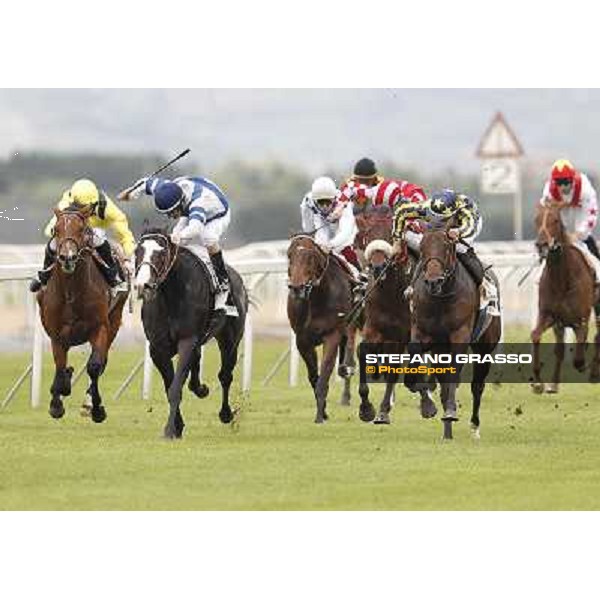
536,452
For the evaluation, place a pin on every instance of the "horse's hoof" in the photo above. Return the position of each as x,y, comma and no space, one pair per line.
200,391
537,388
319,419
98,414
85,410
594,377
366,412
226,415
551,388
169,435
382,419
579,365
475,433
57,411
428,412
345,400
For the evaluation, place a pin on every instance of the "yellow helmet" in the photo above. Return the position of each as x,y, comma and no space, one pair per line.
84,192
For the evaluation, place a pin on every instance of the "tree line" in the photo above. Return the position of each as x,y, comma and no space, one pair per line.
265,196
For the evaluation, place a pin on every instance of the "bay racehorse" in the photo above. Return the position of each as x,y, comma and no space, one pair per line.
386,311
178,318
387,321
445,311
319,300
566,298
76,307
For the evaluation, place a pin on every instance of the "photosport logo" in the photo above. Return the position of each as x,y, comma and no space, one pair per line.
506,363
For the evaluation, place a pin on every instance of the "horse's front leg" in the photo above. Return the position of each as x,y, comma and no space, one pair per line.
559,356
595,365
330,347
61,386
228,348
95,367
543,323
200,389
185,355
348,364
581,334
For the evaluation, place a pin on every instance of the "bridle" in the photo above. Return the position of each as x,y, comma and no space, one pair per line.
80,249
551,242
170,247
307,287
448,262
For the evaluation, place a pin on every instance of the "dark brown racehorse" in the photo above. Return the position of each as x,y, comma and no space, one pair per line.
445,306
75,308
566,298
320,297
387,320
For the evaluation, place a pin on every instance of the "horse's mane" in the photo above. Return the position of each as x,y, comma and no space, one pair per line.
74,207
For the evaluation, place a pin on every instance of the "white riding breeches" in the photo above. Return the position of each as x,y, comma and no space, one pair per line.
209,235
353,270
413,240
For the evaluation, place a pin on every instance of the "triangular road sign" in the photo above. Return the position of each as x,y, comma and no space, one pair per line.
499,140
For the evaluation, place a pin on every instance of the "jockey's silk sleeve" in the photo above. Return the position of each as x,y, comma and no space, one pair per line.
403,212
117,221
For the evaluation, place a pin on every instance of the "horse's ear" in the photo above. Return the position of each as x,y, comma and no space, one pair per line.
57,212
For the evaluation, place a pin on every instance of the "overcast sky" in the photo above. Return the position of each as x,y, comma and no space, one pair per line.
433,129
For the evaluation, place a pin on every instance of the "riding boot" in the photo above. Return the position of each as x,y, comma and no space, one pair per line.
109,268
223,278
590,242
43,275
359,287
474,266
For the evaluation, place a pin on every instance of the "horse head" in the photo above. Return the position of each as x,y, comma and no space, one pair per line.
71,233
438,257
550,230
375,223
155,254
377,254
307,264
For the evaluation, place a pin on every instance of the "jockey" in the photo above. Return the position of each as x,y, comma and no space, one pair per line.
573,190
325,213
444,206
106,216
366,185
203,215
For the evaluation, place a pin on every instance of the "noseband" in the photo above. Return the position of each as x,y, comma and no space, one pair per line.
173,251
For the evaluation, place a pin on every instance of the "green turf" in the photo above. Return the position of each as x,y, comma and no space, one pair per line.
535,452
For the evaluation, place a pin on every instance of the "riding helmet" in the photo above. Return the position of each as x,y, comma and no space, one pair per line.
167,196
365,168
444,203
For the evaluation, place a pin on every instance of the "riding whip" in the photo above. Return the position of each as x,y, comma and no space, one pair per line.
123,195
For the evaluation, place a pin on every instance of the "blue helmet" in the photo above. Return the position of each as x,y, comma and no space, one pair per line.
167,196
444,203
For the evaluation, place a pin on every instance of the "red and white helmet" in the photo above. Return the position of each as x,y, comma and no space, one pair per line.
563,169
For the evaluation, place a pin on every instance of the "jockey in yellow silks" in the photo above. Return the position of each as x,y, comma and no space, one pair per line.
106,217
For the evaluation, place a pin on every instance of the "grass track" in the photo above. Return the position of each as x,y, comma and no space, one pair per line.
548,457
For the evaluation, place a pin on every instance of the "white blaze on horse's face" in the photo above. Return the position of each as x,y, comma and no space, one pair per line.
144,274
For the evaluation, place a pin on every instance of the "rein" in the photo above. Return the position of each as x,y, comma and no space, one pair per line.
448,262
160,276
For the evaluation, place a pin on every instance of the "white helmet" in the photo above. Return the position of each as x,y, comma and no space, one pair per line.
324,188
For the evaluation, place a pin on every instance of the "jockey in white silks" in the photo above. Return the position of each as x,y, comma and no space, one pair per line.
203,215
330,217
573,190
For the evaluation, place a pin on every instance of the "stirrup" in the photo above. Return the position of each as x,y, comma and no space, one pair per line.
408,292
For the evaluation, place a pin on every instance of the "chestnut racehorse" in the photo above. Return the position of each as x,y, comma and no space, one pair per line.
75,308
566,298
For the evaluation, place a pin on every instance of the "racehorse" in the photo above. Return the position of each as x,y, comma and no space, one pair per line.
387,320
75,307
445,310
178,318
319,300
566,298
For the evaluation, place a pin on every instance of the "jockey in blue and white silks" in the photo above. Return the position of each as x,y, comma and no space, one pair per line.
203,215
